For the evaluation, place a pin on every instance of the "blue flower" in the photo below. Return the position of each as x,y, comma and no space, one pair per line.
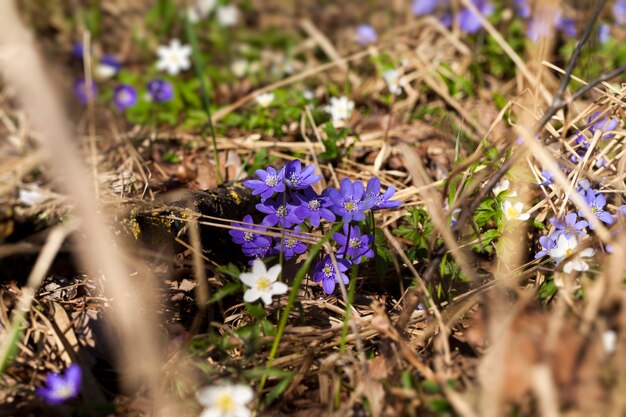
596,203
326,274
602,123
353,244
271,182
547,178
84,93
468,21
249,240
313,207
61,387
619,12
291,246
348,201
381,201
297,178
160,91
124,96
365,34
567,26
547,243
604,33
423,7
523,8
78,50
568,226
278,212
107,67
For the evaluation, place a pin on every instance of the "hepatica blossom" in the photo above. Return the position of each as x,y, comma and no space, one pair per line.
568,226
289,201
61,387
160,91
125,96
107,67
424,7
365,34
326,274
348,201
83,92
225,400
262,282
353,244
174,57
596,203
468,21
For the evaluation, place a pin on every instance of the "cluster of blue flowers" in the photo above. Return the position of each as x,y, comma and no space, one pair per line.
124,96
289,201
570,229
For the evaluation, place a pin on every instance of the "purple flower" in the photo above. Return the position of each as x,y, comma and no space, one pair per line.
619,12
381,201
596,203
278,212
567,26
568,226
523,8
602,123
271,182
348,201
124,96
78,50
313,207
468,21
107,67
423,7
291,246
547,178
325,272
541,23
83,93
604,33
297,178
352,243
365,34
446,20
160,90
547,243
582,185
249,240
61,387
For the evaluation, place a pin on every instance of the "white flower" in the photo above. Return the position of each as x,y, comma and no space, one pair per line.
174,57
32,196
225,401
609,339
394,81
239,68
564,248
340,108
200,10
262,283
514,211
264,100
227,15
308,94
501,187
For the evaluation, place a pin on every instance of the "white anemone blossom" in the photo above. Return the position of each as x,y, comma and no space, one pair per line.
225,401
564,248
262,283
227,15
514,211
340,108
394,81
174,57
503,186
200,10
264,100
239,67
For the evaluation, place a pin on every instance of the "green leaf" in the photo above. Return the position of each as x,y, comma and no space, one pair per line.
225,291
230,270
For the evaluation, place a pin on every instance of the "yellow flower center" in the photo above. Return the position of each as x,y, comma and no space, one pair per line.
512,212
263,284
225,403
